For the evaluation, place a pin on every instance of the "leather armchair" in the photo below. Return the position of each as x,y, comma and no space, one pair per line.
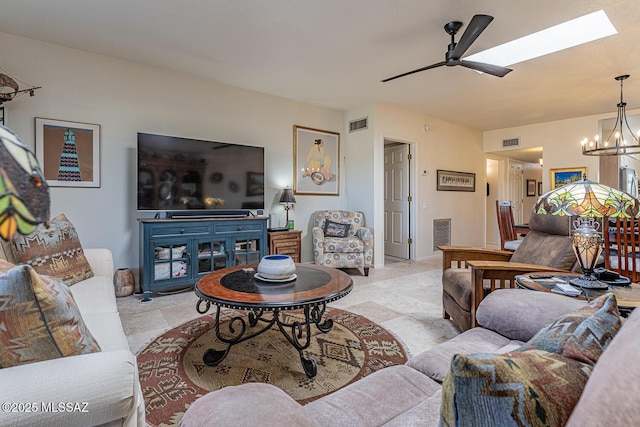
353,251
469,273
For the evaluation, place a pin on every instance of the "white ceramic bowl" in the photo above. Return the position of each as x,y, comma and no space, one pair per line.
276,267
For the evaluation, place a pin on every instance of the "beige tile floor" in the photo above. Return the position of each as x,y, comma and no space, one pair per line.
403,296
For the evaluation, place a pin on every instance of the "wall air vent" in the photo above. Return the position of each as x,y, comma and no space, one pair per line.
510,143
356,125
441,232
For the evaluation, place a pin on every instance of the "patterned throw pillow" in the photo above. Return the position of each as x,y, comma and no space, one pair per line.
582,335
40,319
335,229
528,388
55,251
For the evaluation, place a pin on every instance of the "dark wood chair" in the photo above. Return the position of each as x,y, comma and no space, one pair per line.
508,236
622,247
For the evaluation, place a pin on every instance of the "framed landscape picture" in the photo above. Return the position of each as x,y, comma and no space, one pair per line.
560,177
316,161
455,181
68,152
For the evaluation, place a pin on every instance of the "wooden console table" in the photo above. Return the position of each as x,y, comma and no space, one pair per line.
285,243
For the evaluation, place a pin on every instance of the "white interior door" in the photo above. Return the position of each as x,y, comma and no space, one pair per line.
396,200
516,189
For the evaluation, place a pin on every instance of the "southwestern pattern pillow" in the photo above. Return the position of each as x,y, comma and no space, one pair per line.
582,335
55,251
335,229
529,388
40,319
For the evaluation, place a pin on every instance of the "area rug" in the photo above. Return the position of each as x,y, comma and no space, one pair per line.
173,375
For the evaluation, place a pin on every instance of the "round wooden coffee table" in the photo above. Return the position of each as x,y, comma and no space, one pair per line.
627,297
236,287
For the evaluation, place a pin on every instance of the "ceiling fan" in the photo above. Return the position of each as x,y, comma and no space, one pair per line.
455,51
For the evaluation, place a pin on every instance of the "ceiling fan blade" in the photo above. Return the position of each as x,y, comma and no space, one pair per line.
428,67
474,29
495,70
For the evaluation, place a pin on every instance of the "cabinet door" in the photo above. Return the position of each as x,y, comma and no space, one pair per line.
170,259
246,250
210,255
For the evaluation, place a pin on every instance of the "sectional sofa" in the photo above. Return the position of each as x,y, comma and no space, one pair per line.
412,394
100,388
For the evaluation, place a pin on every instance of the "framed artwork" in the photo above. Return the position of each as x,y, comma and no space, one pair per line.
531,187
540,188
455,181
560,177
3,113
255,184
316,161
68,152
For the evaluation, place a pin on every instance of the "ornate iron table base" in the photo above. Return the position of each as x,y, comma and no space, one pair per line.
298,333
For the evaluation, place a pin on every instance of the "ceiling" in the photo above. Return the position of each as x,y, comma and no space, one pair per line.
334,52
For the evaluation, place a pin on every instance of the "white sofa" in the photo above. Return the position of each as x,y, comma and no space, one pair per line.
95,389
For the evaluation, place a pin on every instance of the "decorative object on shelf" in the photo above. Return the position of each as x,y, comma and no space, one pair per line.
291,224
24,194
124,282
9,88
560,177
69,152
287,199
455,181
531,187
589,201
621,140
316,161
276,267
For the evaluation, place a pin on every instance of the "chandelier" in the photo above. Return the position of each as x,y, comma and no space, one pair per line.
621,140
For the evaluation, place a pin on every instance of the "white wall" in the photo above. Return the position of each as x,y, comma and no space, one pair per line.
126,98
445,146
560,141
531,171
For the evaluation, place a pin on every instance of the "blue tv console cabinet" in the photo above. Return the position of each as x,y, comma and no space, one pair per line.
176,253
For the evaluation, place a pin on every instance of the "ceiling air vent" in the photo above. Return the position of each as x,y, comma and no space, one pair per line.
512,142
359,124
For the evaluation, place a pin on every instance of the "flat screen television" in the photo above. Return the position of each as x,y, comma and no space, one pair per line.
182,175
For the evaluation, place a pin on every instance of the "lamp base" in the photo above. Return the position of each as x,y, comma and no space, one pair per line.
588,282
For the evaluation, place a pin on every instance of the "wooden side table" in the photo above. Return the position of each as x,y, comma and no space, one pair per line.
285,243
628,297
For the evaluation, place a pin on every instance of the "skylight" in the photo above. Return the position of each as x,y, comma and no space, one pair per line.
572,33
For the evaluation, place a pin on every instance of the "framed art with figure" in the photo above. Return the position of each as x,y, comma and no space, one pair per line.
560,177
69,152
316,161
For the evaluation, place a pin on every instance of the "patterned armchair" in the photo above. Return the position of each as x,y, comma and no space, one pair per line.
355,250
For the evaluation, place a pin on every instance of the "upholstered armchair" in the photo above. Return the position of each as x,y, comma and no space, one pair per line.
342,240
469,273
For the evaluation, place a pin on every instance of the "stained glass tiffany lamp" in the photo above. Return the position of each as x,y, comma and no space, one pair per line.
24,193
590,202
